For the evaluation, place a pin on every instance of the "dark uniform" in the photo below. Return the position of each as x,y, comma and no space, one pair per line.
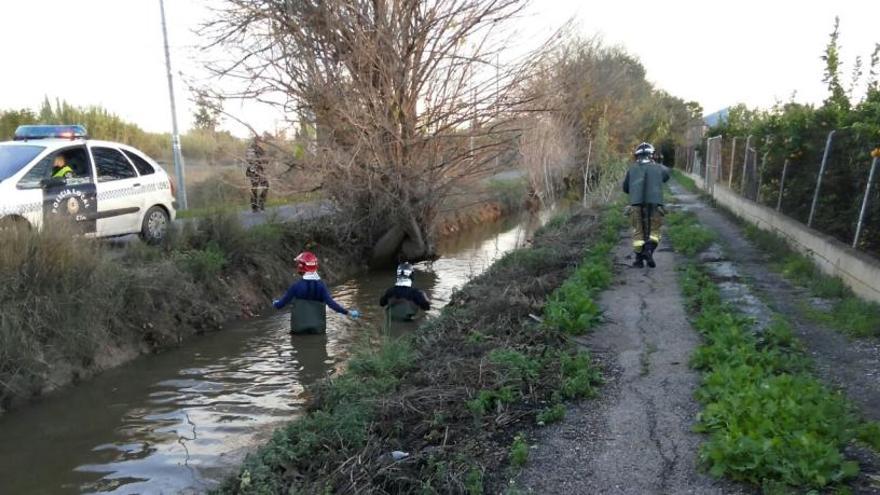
256,173
309,298
403,303
644,184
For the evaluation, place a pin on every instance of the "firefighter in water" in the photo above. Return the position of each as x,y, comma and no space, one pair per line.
256,174
403,301
310,298
644,185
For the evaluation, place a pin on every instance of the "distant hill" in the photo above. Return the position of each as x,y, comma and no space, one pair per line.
713,119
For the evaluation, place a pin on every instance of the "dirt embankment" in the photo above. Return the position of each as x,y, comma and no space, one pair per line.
461,220
75,307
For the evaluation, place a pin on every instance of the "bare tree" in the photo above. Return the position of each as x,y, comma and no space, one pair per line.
403,94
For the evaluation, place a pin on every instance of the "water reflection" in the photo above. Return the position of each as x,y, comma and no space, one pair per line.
178,422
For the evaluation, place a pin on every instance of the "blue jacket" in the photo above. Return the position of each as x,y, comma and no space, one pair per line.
310,290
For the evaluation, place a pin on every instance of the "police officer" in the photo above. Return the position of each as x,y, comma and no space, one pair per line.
256,173
310,299
403,301
60,168
644,184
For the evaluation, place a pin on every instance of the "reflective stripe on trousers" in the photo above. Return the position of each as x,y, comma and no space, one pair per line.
638,236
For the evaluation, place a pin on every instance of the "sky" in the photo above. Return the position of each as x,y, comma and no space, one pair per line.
109,52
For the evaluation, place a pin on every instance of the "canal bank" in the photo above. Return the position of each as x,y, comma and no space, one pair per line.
74,308
439,410
179,421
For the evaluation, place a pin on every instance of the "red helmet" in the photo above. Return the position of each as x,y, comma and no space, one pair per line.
306,262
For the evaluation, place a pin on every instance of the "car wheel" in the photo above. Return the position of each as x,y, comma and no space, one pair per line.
155,226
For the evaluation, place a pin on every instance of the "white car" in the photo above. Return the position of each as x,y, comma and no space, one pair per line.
106,189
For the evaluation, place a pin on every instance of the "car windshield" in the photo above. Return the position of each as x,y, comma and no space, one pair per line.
15,156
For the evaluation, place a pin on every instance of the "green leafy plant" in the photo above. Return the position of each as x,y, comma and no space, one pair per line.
519,451
769,422
552,414
687,235
204,264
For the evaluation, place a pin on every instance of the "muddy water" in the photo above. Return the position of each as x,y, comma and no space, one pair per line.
180,421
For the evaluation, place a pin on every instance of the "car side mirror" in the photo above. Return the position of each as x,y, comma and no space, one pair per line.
52,182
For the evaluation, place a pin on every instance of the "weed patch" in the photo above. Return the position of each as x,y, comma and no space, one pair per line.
686,233
685,181
572,308
519,452
849,313
769,422
552,414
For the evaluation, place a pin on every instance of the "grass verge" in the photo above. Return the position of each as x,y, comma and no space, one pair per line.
239,206
848,313
768,421
685,181
455,400
686,233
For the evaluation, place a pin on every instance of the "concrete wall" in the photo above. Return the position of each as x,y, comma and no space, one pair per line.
857,270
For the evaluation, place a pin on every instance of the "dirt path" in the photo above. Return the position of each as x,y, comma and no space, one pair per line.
636,437
852,365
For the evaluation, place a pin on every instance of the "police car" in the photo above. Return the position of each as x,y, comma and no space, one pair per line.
102,188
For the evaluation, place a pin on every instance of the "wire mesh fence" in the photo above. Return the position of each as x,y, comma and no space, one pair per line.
826,179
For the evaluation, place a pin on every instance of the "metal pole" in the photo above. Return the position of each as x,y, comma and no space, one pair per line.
175,135
742,180
782,185
705,172
587,172
865,202
761,177
819,179
732,157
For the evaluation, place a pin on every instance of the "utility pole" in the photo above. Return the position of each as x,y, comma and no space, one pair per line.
175,135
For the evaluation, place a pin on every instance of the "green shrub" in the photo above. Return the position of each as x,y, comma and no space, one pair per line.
685,181
519,451
769,422
204,264
473,483
516,367
572,307
580,375
552,414
490,400
869,433
687,235
511,193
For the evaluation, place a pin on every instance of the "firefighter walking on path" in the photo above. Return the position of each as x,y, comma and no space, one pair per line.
256,173
644,185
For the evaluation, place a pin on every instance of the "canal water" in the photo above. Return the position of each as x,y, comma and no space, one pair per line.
180,421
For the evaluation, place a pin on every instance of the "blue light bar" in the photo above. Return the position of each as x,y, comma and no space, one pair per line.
28,132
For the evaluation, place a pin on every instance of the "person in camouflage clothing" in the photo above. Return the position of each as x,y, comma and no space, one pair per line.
256,174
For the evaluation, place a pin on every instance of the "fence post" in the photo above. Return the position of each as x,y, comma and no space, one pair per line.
705,171
732,157
742,181
761,177
819,179
865,202
782,185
